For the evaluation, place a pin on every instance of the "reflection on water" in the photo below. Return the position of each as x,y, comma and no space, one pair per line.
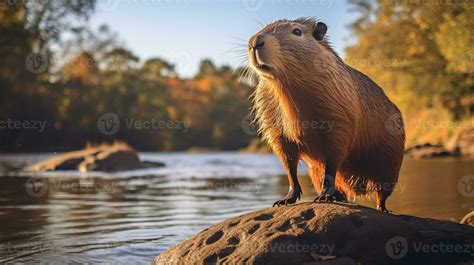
133,216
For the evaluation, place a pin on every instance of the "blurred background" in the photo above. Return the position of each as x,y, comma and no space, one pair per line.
166,77
67,63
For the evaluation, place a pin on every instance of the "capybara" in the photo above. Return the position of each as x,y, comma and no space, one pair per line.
310,105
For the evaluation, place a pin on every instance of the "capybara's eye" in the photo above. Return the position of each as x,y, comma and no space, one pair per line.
297,32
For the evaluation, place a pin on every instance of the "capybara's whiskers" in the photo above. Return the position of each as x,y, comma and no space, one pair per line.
240,39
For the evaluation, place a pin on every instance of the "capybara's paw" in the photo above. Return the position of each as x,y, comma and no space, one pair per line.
291,198
325,198
339,196
336,196
383,209
329,198
284,201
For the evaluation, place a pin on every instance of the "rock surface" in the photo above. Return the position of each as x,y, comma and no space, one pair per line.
468,219
108,158
325,233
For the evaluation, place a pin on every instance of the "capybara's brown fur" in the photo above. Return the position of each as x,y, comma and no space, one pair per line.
310,105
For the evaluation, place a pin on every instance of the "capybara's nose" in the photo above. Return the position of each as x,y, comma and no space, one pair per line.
257,42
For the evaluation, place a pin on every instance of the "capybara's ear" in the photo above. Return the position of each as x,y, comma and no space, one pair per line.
320,31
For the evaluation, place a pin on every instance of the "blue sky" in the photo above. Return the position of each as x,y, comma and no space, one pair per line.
186,31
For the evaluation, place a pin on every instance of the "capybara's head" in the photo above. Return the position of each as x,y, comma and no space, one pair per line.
286,48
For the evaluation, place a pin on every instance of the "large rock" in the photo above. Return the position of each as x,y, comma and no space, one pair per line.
325,233
108,158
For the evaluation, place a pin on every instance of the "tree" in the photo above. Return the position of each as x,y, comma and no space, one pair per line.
420,51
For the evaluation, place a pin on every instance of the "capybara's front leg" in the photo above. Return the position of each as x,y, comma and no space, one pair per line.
288,154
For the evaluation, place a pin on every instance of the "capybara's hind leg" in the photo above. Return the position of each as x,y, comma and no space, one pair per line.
339,196
381,198
328,191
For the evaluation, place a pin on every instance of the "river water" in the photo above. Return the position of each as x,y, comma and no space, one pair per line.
130,217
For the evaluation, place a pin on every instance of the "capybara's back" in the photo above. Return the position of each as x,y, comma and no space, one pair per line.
376,155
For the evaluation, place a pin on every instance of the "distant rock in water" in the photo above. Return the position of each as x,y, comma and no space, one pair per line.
461,144
430,150
104,157
463,141
325,233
